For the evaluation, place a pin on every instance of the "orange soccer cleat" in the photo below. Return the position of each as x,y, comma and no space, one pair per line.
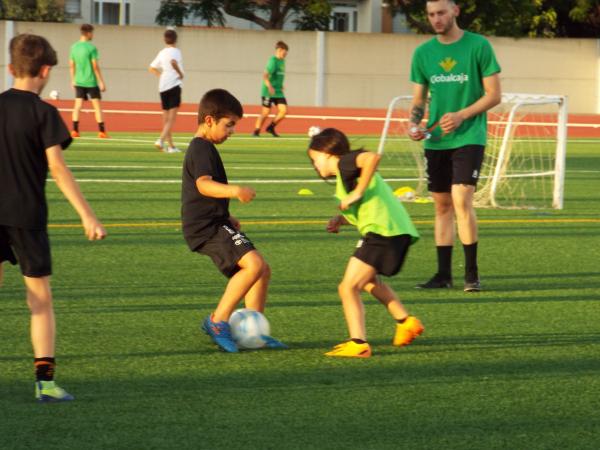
407,331
103,135
350,349
75,134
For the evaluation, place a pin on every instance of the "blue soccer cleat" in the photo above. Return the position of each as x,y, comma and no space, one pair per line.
220,333
272,343
49,392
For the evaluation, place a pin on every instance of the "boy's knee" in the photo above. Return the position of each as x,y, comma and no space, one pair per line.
347,286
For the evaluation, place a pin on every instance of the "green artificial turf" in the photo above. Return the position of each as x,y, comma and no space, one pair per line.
514,367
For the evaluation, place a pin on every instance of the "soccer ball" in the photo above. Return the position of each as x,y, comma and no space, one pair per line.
248,328
53,94
314,130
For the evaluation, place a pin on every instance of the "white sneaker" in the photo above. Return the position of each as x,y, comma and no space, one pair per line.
159,144
173,150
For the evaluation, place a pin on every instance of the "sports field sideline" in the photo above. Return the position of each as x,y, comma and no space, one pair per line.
515,366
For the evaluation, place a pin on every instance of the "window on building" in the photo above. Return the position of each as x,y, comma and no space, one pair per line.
106,12
343,18
73,8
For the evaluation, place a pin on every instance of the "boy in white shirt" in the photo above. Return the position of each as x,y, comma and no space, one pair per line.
168,65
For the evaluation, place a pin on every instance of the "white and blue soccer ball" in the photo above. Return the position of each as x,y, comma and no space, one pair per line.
248,328
54,95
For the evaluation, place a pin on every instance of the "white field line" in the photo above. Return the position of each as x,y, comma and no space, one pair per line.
324,117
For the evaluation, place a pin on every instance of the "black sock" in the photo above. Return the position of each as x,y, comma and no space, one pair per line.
402,320
358,341
101,126
471,270
76,126
444,256
44,368
272,126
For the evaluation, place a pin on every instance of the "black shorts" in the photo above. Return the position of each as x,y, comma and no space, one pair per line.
30,248
226,248
268,101
454,166
84,92
171,98
385,254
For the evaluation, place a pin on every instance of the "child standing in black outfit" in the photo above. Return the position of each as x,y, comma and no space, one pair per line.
32,138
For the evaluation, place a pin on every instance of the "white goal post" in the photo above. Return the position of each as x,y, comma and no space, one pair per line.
524,164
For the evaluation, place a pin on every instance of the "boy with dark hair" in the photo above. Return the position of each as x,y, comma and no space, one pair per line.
86,78
32,137
168,66
272,90
208,227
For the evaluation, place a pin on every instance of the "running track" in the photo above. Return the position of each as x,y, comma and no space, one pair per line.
141,116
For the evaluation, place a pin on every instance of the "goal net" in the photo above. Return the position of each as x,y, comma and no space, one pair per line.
524,162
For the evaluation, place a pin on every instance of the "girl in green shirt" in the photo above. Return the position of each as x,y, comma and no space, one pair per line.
367,202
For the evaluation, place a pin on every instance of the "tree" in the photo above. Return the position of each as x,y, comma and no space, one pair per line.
32,10
269,14
516,18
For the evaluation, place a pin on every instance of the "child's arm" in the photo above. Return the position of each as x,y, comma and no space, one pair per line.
367,162
210,188
154,71
70,189
72,72
334,224
177,69
96,68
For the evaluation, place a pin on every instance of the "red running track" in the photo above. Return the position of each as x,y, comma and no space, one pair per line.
142,117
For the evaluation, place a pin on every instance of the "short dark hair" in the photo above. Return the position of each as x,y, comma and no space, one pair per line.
28,53
331,141
86,28
170,37
219,103
281,44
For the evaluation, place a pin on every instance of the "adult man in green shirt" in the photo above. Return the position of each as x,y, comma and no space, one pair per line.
460,72
86,78
272,90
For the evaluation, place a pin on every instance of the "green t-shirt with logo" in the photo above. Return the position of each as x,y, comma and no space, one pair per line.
453,73
276,71
82,54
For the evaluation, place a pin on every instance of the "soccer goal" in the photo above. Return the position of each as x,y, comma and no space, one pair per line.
524,164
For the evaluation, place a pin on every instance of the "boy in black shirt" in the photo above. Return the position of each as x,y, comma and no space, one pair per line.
208,227
32,138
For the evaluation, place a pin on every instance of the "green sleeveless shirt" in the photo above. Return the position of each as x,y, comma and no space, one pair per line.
379,211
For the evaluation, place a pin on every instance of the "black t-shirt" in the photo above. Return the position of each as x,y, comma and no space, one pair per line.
349,171
201,216
28,126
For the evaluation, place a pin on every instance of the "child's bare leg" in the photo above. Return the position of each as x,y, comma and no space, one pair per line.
251,267
387,297
43,328
357,275
264,113
97,110
77,109
256,298
167,134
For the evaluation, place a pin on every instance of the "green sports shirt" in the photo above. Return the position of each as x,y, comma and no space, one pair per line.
82,54
453,74
276,72
379,211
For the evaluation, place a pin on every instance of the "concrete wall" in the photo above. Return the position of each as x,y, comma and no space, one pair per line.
361,70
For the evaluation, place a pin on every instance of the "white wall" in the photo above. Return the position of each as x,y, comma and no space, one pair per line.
361,69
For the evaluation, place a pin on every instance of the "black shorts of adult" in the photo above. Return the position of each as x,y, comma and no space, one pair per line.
171,98
85,92
268,101
226,247
30,248
453,166
385,254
